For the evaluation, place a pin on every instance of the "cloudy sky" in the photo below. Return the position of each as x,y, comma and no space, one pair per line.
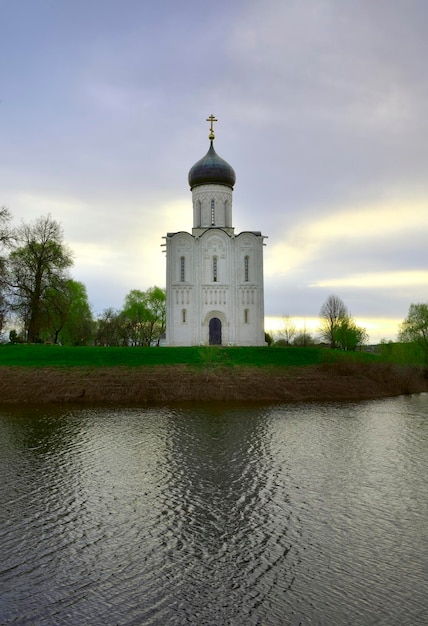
322,109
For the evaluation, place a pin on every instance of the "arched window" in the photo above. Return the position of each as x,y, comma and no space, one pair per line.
182,269
183,316
215,269
246,268
246,316
213,212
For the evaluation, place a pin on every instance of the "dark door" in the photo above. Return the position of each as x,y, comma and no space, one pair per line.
215,332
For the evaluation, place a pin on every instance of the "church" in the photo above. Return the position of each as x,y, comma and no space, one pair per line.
214,277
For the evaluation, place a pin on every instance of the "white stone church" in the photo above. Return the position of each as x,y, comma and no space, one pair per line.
214,278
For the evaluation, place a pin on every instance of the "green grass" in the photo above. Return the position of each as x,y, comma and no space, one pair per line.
23,355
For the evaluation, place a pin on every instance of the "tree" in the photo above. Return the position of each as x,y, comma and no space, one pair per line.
156,303
37,267
337,326
414,328
268,338
5,241
136,314
67,317
3,309
78,329
111,329
303,339
332,312
5,231
349,335
288,331
145,312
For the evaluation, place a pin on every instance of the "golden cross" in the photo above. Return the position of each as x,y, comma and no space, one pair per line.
211,119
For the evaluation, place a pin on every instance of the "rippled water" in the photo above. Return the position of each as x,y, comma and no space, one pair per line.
313,514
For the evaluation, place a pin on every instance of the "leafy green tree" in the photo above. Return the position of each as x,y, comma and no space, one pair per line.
79,327
348,335
414,328
332,312
37,267
136,314
156,304
67,316
145,313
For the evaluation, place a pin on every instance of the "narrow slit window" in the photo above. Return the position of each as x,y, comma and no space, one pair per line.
215,269
246,268
199,213
183,316
246,316
213,212
182,269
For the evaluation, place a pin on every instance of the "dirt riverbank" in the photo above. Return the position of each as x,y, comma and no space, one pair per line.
169,384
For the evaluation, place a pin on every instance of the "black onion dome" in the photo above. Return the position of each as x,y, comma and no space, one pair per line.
212,169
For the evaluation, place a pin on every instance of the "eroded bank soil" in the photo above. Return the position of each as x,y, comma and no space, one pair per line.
168,384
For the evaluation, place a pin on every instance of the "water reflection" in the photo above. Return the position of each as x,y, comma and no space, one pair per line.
227,534
283,515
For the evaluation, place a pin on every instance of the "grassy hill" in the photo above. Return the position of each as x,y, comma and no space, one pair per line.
24,355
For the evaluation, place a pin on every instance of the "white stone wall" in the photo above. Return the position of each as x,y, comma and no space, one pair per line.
231,294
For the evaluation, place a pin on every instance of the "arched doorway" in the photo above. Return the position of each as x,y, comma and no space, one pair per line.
215,331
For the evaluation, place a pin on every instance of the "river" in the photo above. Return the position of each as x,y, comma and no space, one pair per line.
311,514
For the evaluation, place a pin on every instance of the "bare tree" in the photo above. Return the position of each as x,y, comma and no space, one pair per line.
112,328
332,312
288,331
5,231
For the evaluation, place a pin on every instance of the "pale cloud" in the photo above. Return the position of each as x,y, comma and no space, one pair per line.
380,328
276,324
119,99
369,225
35,202
173,215
376,280
370,222
96,255
335,61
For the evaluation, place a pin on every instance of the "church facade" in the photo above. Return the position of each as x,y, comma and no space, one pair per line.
214,277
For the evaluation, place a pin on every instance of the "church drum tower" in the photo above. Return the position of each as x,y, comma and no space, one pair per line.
214,278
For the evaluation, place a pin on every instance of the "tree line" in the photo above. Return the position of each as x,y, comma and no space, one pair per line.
42,302
339,330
